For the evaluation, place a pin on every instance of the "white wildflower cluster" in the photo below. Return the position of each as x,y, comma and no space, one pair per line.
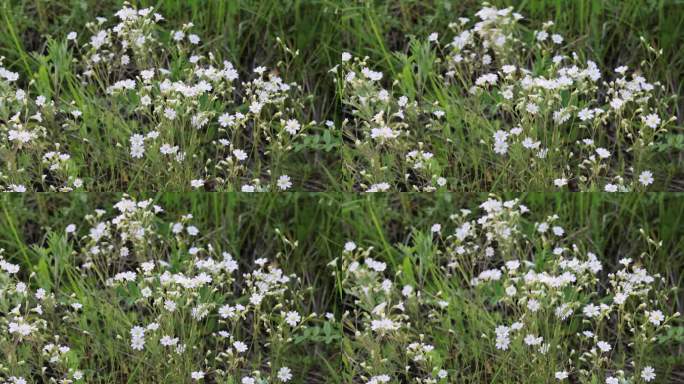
162,110
189,113
601,138
381,311
380,127
242,120
26,316
174,280
497,285
520,290
32,160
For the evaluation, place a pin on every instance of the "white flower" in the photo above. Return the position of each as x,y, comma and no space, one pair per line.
178,35
603,346
533,305
375,265
349,246
562,375
646,178
138,343
21,136
240,346
168,149
616,103
602,152
560,182
383,95
379,379
198,183
651,120
558,231
292,126
197,375
170,113
621,69
170,305
433,36
383,325
542,227
147,74
585,114
226,119
436,228
508,69
168,341
371,75
610,187
655,317
98,39
346,56
240,154
71,228
500,147
591,310
511,290
284,182
488,78
407,290
529,143
533,340
137,332
20,327
292,318
384,132
71,36
648,373
284,374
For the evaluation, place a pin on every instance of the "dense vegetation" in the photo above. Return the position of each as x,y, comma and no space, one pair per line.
341,95
409,286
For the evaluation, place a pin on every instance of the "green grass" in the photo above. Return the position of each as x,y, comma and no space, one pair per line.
304,233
